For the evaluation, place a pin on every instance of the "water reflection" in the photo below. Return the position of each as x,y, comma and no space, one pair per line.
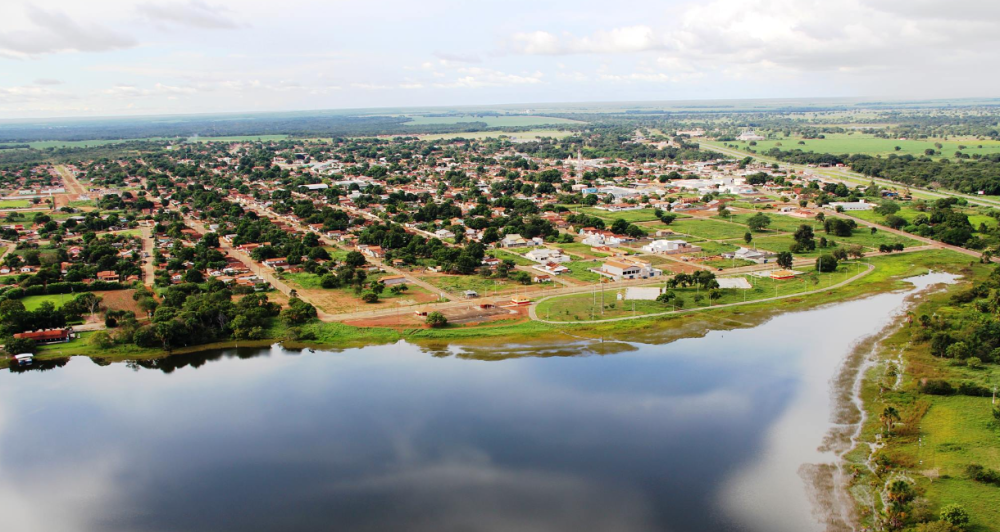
401,437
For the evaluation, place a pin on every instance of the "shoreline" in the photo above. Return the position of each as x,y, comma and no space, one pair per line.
835,498
887,275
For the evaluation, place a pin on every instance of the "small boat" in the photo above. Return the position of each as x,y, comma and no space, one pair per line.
24,359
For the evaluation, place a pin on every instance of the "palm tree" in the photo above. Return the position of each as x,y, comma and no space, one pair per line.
888,417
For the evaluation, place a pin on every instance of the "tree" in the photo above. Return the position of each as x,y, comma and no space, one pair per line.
826,264
16,346
758,222
889,417
298,312
805,238
354,259
955,515
101,340
785,259
369,297
747,237
436,320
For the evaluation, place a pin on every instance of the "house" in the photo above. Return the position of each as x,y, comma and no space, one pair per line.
620,270
513,240
47,336
750,135
552,267
670,247
277,262
546,255
375,252
542,278
392,280
444,233
471,294
107,276
860,205
752,255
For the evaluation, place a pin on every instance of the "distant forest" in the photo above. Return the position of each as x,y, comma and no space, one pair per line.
315,125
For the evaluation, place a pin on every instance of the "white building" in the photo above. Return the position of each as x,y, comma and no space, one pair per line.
860,205
670,246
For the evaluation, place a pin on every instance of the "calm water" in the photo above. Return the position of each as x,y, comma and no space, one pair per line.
696,435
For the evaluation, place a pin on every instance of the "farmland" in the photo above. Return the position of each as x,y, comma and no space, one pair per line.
844,143
492,121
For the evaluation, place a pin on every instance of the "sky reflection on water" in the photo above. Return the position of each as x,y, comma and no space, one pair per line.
700,434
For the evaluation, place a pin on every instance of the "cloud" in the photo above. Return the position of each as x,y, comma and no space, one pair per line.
614,41
474,78
47,81
194,14
56,32
800,35
458,58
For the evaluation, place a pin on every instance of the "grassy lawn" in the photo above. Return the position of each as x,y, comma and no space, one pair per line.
509,255
581,306
708,229
642,215
577,248
33,302
461,283
308,281
14,204
580,270
779,222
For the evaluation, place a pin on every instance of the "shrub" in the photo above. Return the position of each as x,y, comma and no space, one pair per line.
955,515
981,474
937,387
436,319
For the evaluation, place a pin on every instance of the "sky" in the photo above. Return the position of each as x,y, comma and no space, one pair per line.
67,58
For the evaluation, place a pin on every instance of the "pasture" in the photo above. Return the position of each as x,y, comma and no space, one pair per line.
490,121
848,143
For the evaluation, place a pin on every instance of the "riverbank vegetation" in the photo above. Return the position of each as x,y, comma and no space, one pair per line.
931,443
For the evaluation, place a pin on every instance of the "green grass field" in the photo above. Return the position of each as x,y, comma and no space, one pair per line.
14,204
532,134
843,143
492,121
642,215
708,229
581,306
33,302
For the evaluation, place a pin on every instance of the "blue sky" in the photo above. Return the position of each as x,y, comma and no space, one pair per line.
117,57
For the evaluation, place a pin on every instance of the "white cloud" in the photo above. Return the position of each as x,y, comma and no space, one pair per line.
614,41
194,14
54,31
805,35
474,78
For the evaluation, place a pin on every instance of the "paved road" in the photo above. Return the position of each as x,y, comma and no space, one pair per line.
532,310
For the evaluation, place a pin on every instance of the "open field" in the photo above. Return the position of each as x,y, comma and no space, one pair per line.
491,121
531,134
33,302
843,143
582,306
642,215
708,229
14,204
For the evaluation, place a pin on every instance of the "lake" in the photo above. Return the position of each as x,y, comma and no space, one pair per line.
700,434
